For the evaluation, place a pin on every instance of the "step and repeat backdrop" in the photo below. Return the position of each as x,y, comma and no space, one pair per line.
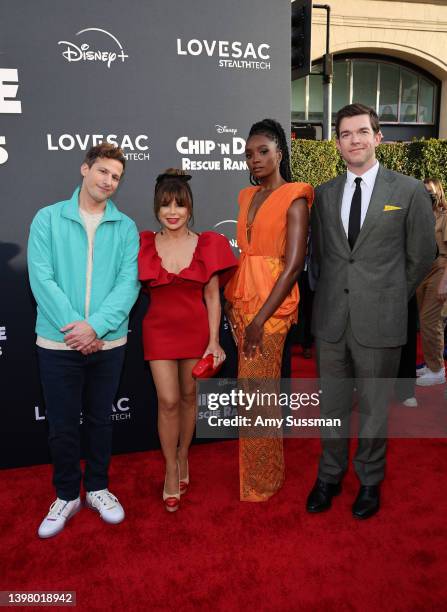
175,84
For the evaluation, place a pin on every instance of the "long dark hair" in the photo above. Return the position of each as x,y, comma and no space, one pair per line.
273,130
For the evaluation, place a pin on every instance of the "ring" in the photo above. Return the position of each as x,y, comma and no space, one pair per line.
253,346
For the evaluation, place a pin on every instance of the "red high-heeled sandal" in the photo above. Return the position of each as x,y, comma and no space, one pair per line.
184,482
172,500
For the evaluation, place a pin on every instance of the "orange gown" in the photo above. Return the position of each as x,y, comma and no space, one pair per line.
261,459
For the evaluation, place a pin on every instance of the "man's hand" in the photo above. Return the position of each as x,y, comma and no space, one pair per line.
81,335
93,347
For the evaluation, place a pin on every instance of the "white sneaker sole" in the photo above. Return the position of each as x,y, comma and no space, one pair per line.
106,520
411,402
54,533
429,383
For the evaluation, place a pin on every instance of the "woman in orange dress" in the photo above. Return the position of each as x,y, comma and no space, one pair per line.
263,294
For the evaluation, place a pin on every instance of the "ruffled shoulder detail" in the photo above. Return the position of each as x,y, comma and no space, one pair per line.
213,255
149,264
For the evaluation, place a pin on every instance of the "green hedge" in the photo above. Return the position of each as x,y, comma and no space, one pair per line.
315,162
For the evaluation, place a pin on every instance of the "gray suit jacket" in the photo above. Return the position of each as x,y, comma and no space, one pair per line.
372,283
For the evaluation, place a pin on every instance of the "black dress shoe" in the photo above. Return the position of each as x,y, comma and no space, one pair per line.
367,502
320,498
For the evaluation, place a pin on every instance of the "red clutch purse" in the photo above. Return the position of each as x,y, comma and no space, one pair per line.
204,368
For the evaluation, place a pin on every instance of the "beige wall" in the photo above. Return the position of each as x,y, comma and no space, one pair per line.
412,31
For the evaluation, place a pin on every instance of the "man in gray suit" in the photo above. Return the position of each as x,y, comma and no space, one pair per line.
373,243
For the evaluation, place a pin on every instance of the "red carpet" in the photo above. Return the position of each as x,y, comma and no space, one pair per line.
219,554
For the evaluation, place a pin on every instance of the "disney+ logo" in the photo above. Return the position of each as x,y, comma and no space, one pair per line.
83,52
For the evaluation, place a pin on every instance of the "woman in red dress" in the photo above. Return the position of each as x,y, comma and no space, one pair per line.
181,271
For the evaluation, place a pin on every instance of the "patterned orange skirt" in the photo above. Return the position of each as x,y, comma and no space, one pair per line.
261,455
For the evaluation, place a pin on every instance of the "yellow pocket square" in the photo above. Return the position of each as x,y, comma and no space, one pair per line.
388,207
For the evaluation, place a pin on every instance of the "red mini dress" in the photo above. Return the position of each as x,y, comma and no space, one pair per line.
176,322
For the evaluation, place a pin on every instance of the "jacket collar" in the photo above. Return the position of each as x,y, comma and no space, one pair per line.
369,177
380,194
70,209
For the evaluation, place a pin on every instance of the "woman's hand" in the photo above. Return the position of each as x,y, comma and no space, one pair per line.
217,351
253,339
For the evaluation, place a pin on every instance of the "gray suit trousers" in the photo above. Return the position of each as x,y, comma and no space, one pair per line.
343,365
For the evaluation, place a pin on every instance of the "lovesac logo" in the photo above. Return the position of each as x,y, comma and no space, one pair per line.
120,411
135,148
83,52
235,54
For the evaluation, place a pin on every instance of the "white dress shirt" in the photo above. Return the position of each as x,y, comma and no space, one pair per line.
367,186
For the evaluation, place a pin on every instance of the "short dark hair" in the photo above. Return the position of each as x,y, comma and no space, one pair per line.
107,150
173,183
352,110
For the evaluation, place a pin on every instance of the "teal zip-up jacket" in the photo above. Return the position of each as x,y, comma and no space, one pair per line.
57,265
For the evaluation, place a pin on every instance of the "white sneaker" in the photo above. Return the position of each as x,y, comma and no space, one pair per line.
431,378
410,402
109,508
421,371
59,513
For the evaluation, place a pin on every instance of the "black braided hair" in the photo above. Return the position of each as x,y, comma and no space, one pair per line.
273,130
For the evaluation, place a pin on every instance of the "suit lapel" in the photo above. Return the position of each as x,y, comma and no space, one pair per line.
379,197
336,199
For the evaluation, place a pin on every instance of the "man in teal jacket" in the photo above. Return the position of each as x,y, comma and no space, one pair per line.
82,261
